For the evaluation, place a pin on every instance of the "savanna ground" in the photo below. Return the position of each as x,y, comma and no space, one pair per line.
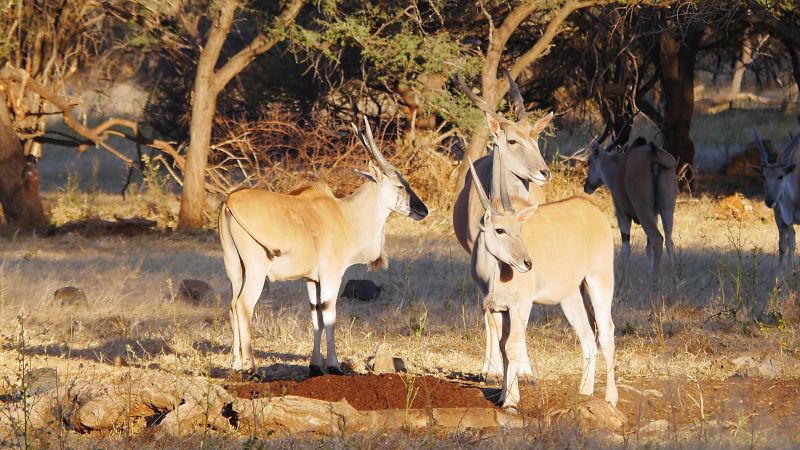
711,361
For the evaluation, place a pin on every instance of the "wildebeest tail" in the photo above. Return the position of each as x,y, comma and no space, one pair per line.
587,305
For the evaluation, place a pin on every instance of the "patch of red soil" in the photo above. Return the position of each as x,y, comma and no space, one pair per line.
372,392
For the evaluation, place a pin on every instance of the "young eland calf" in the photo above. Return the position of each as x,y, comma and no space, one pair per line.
309,234
524,171
560,253
643,184
782,193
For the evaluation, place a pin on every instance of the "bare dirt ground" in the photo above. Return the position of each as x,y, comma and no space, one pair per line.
712,360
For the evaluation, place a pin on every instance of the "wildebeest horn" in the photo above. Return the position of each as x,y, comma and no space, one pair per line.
477,101
786,156
761,149
369,143
504,200
516,98
487,205
614,142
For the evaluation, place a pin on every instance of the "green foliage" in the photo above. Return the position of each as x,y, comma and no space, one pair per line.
395,48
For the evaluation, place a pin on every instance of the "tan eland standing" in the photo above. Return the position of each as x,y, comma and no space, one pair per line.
525,171
308,234
559,253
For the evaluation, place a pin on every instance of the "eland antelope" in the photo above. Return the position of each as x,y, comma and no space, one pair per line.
308,234
559,253
782,193
643,184
525,171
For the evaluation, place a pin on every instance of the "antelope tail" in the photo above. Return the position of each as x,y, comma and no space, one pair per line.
587,305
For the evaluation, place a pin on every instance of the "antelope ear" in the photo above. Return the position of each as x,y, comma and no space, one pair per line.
494,125
376,172
525,213
373,173
542,123
757,169
366,175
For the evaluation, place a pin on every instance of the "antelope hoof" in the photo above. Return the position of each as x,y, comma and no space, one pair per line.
314,371
512,410
492,377
333,370
244,367
529,374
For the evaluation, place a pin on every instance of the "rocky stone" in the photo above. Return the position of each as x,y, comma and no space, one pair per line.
769,368
383,363
364,290
594,414
38,381
69,296
656,428
195,291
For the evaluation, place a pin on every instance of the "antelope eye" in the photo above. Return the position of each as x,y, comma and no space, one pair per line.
780,177
512,142
500,231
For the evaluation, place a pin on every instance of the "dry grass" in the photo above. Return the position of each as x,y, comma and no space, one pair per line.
428,313
669,338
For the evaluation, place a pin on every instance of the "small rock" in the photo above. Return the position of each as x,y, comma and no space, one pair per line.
723,364
382,363
399,365
38,381
655,428
195,291
69,296
364,290
769,368
594,413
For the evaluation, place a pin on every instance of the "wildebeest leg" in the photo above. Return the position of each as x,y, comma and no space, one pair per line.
492,358
790,238
786,241
624,222
655,242
515,350
666,222
576,315
315,368
329,293
665,202
600,288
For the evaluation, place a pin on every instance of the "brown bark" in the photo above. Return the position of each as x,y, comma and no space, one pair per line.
208,84
19,178
493,89
677,81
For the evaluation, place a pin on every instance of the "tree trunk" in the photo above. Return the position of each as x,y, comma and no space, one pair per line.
741,67
208,84
204,107
19,178
677,81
